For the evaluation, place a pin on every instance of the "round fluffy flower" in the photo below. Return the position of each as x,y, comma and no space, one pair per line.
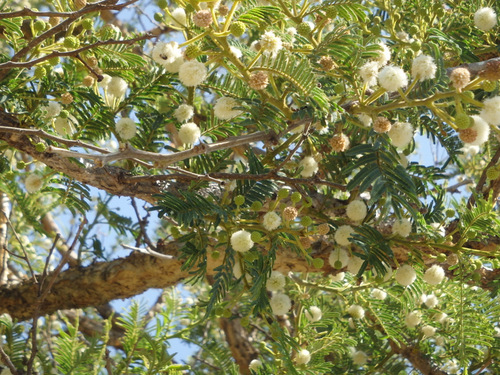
440,317
402,227
280,304
480,129
309,166
338,255
303,357
485,19
413,319
254,365
223,108
275,282
33,183
431,301
179,16
52,109
369,72
381,125
271,221
235,51
354,264
258,80
491,110
117,87
241,241
356,311
313,314
378,294
63,126
192,73
104,82
428,331
384,55
401,134
434,275
189,133
340,142
392,78
359,358
365,119
356,210
459,78
423,67
290,213
342,235
203,18
166,53
126,128
270,43
184,112
406,275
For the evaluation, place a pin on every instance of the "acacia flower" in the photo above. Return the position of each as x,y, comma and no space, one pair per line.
392,78
405,275
179,16
381,125
271,221
303,357
434,275
254,365
276,281
117,87
223,108
460,77
309,166
339,142
402,227
313,314
241,241
192,73
280,304
491,110
359,358
342,235
423,67
378,294
477,134
338,255
401,134
270,43
428,331
384,55
166,53
356,311
431,301
369,72
33,183
356,210
184,112
485,19
189,133
413,319
354,264
126,128
52,109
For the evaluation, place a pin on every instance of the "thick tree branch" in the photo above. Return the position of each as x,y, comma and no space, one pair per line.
416,358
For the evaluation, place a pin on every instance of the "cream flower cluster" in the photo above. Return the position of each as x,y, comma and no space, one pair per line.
184,112
179,16
313,314
309,166
52,109
406,275
338,255
401,134
117,87
241,241
275,282
434,275
270,43
359,358
189,133
33,183
354,264
413,319
223,108
126,128
491,110
303,357
423,67
378,294
168,55
480,131
280,304
402,227
485,19
192,73
356,210
356,311
392,78
254,365
271,221
342,235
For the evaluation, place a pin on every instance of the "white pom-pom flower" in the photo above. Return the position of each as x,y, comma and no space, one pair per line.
369,72
356,210
184,112
313,314
423,67
378,294
428,331
401,134
440,317
413,319
236,52
63,126
354,264
271,221
431,301
52,109
179,16
126,128
309,166
33,183
117,87
491,110
384,55
359,358
241,241
106,79
482,130
485,19
342,235
392,78
254,365
337,277
402,227
189,133
303,357
356,311
406,275
275,282
338,255
434,275
192,73
166,53
223,108
280,304
270,43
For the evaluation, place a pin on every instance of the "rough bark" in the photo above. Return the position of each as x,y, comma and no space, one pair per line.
416,358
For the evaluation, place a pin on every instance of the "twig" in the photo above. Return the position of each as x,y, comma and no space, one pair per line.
148,251
6,360
142,225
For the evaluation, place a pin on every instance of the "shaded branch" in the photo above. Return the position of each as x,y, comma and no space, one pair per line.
416,358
